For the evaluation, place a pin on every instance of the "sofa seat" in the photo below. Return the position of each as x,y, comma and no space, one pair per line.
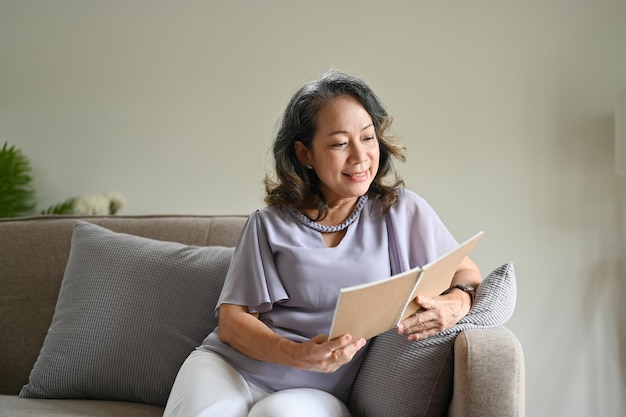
13,406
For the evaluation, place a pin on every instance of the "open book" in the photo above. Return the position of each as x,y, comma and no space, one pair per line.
370,309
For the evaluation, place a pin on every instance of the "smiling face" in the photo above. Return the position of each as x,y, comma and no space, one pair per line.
344,152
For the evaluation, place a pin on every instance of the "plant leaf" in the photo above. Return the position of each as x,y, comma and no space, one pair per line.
17,195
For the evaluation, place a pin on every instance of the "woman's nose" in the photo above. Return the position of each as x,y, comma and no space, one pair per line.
358,154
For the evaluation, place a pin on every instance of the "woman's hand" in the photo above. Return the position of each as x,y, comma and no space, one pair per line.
437,314
322,355
442,312
246,333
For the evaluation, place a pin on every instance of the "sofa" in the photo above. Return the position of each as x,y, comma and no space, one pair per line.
98,313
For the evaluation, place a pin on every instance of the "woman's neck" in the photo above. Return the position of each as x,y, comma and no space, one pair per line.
336,212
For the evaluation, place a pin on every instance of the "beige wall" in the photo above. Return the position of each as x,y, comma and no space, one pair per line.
506,108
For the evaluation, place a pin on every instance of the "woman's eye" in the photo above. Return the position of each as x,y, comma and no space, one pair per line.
338,145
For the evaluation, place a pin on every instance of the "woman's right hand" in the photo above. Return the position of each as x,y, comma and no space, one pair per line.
322,355
246,333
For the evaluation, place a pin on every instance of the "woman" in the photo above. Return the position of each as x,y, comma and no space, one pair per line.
332,220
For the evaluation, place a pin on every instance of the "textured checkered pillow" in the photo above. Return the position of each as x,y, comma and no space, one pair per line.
130,310
403,379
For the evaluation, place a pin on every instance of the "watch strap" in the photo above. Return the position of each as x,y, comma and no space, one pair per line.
468,289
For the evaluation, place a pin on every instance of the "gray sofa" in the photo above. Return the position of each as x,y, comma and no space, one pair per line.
485,362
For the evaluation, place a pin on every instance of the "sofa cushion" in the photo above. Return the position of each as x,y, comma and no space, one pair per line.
392,363
130,310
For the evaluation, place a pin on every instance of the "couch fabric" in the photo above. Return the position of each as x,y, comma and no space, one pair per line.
34,253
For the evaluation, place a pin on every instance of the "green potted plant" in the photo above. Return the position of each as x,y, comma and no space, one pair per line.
17,194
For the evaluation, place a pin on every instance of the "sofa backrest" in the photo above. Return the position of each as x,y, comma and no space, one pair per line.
33,255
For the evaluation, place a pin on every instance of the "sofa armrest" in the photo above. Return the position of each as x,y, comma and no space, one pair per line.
489,375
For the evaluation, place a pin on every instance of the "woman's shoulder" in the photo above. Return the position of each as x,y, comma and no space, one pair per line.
271,216
406,201
267,224
405,194
270,212
411,206
409,199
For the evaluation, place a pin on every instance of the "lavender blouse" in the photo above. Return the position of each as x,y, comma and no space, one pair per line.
282,270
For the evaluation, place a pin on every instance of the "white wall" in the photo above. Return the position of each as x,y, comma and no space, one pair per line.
506,107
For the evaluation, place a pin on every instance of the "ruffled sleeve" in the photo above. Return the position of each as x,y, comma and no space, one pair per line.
252,278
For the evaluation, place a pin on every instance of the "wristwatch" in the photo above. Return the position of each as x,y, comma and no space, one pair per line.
465,288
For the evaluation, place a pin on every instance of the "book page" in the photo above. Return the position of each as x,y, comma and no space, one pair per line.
370,309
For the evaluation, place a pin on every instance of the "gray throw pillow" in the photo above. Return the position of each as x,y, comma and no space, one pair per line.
129,311
399,378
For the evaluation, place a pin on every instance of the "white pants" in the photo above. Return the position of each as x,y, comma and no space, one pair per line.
208,386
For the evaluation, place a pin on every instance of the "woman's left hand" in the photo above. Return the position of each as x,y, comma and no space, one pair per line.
437,314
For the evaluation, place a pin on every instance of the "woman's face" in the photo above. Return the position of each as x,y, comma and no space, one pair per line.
344,152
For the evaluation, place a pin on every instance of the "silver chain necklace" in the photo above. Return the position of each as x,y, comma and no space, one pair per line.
331,229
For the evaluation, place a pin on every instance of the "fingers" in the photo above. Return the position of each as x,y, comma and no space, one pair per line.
345,342
425,323
426,302
436,315
337,359
319,354
342,350
421,325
